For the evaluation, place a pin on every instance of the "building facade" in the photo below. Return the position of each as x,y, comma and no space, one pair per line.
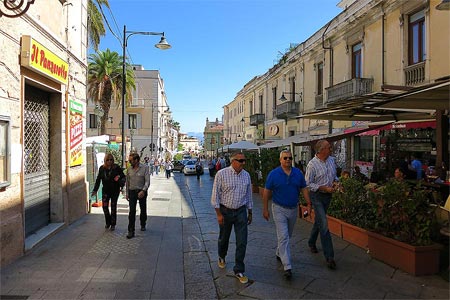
213,137
42,122
147,119
377,61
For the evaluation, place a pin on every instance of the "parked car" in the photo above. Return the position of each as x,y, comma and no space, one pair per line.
178,165
189,168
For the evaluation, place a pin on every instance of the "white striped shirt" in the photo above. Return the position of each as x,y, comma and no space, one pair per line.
232,189
320,173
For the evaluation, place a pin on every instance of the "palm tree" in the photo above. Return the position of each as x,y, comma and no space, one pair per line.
105,81
96,28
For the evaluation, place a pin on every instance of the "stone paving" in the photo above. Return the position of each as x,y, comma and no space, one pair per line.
176,258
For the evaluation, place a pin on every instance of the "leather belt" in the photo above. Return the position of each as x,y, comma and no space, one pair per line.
231,209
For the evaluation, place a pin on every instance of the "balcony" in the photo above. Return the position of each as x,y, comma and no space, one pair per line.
349,89
287,110
257,119
319,101
415,74
137,103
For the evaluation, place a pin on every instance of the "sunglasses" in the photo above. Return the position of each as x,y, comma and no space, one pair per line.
110,159
287,157
240,160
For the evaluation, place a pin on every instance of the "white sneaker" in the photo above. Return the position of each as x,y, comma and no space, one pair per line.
242,278
221,263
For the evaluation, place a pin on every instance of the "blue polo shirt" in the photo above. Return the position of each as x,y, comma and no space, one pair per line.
285,189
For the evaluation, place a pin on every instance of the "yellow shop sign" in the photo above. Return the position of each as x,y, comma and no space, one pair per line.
38,58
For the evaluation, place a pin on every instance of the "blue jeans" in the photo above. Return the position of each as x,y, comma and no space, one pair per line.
238,218
133,199
284,219
320,203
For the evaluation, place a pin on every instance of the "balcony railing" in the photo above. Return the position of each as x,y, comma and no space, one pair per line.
415,74
137,103
349,89
288,110
319,101
256,119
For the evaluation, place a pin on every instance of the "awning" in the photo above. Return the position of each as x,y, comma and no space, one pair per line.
295,138
434,96
336,136
402,125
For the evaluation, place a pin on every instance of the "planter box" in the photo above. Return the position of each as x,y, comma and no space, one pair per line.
355,235
335,226
255,188
416,260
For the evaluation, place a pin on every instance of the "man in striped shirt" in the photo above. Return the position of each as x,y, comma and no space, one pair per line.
320,176
232,199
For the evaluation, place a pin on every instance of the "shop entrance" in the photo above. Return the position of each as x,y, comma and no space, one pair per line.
36,160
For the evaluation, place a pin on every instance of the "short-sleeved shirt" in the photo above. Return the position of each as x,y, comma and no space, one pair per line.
232,189
285,189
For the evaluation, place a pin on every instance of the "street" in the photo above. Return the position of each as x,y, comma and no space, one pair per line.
176,258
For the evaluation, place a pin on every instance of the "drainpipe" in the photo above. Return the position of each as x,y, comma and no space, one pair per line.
330,122
382,46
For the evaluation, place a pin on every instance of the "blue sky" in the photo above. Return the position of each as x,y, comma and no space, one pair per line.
217,45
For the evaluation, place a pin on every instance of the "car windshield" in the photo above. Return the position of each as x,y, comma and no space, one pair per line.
191,162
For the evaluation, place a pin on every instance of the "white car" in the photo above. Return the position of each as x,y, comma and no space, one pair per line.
189,168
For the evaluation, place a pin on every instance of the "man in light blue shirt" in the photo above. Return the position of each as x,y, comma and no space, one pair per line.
320,176
232,200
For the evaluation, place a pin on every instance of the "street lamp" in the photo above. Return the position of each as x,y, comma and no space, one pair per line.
283,98
163,45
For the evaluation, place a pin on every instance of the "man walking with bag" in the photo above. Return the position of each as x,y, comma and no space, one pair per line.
138,182
284,185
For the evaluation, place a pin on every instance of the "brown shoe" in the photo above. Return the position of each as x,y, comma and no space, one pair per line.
331,264
313,249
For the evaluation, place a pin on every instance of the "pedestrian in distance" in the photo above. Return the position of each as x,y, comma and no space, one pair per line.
232,200
360,176
138,182
198,168
283,186
320,178
113,179
168,166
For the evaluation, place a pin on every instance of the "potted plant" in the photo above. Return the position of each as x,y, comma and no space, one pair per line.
270,159
350,205
252,167
403,229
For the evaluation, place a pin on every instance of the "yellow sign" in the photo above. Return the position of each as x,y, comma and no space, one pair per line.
38,58
76,133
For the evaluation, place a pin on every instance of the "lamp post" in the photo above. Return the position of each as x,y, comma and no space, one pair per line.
163,45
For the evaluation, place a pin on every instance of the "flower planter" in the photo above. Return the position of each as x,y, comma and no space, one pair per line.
416,260
255,188
355,235
335,226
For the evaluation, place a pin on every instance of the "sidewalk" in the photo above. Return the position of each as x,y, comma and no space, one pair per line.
176,258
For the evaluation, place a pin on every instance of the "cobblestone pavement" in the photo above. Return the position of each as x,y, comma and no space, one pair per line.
176,258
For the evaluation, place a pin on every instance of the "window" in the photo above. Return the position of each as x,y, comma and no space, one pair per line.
5,152
319,78
416,38
92,121
260,104
251,107
274,97
356,61
292,80
132,121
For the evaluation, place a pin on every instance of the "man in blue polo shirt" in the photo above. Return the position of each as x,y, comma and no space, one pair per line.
284,185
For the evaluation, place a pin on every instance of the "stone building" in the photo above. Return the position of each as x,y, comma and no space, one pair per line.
43,68
378,61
